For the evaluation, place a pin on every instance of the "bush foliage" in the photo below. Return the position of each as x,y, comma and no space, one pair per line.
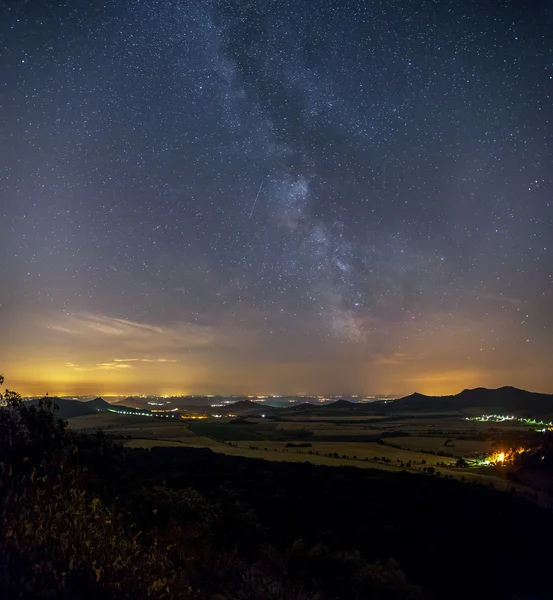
68,531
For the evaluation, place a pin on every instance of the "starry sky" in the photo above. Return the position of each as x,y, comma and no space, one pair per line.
276,196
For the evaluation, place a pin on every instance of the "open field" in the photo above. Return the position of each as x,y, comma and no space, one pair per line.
367,419
322,426
191,441
110,420
411,437
130,425
412,443
103,420
457,447
272,452
355,451
230,431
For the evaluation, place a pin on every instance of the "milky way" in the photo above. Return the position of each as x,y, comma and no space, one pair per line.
276,196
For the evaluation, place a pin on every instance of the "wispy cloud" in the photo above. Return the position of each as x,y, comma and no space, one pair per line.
100,340
105,366
137,340
159,360
146,360
115,327
118,363
397,358
113,365
498,298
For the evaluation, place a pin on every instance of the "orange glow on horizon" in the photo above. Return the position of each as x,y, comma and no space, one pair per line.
88,355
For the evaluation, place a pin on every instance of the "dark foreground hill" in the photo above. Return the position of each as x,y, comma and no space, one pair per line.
68,408
455,540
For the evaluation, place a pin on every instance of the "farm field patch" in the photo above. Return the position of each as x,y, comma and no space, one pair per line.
457,447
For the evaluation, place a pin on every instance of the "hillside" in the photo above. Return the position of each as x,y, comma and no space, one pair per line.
133,402
303,407
341,405
502,399
98,404
379,514
73,408
247,406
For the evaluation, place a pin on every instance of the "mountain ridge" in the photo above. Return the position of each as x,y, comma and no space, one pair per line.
505,397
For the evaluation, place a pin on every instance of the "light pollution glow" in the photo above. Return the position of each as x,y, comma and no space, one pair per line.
86,354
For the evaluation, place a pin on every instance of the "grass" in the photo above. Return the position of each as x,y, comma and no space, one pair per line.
103,420
129,425
193,442
260,438
330,418
458,447
272,451
361,450
326,428
234,431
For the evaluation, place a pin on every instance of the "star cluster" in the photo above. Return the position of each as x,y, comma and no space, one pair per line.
251,197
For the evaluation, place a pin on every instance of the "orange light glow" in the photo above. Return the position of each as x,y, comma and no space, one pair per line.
505,457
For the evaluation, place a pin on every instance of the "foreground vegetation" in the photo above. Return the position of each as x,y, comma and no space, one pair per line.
82,517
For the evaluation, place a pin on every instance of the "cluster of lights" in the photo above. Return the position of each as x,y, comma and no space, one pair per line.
547,426
194,416
130,412
169,413
142,413
492,418
224,403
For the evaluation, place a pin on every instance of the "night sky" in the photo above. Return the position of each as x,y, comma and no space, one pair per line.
302,196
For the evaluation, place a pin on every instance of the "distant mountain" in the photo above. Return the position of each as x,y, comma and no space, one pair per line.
320,409
133,402
73,408
67,408
341,405
247,406
98,404
505,398
303,407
